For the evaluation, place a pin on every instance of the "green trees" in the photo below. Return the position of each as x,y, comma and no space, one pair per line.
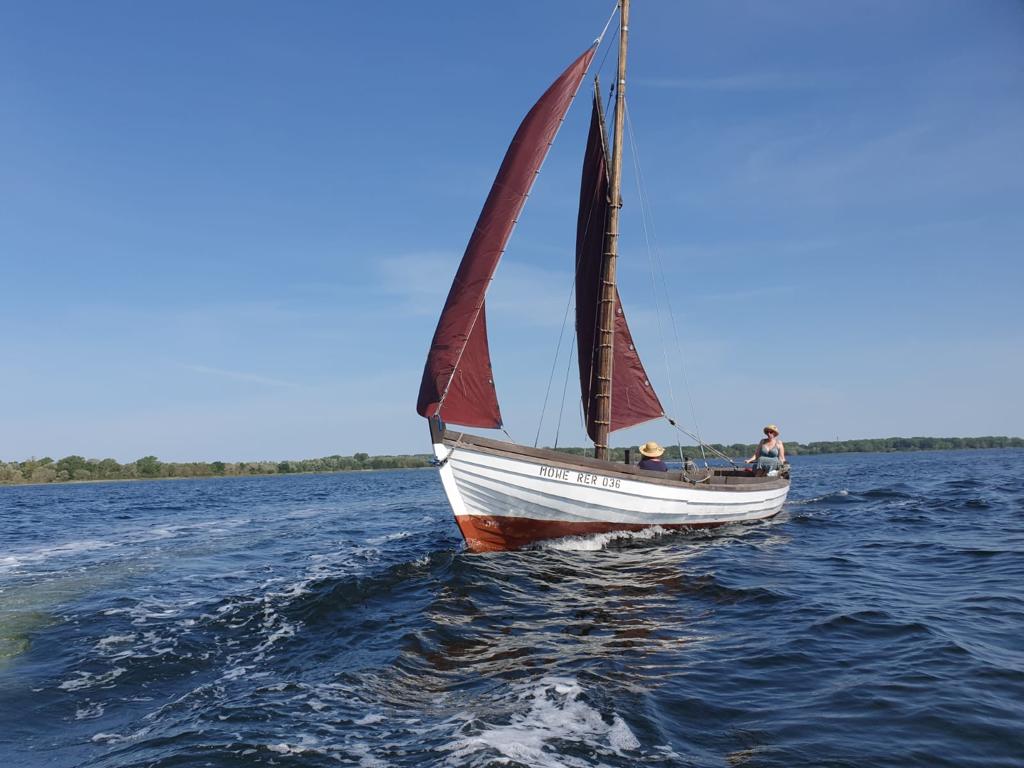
74,467
794,448
148,466
890,444
72,464
43,475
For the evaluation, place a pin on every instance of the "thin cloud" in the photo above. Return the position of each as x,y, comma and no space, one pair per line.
525,293
751,81
417,283
253,378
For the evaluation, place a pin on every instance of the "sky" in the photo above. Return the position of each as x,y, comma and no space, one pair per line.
227,229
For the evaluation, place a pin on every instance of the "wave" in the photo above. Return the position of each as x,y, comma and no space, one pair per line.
597,541
362,636
870,624
17,562
544,723
840,494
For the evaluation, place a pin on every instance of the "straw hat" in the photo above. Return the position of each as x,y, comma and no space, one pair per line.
651,450
771,428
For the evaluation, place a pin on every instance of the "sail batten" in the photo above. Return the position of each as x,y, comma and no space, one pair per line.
457,382
633,399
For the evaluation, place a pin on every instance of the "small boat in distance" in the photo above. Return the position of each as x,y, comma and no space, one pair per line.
507,496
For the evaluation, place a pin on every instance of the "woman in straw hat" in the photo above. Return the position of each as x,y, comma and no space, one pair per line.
771,453
651,453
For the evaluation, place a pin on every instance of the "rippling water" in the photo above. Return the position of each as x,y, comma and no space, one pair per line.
335,620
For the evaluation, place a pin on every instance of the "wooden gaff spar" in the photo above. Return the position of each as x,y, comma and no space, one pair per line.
506,496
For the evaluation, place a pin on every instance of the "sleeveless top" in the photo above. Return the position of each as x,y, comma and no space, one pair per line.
769,458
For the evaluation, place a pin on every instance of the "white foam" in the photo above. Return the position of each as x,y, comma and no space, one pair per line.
110,640
42,554
307,744
800,502
551,710
285,749
366,759
89,680
369,719
597,541
300,514
143,535
234,673
89,711
117,738
620,737
389,537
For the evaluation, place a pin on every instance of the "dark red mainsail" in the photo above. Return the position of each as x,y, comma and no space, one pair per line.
633,398
457,380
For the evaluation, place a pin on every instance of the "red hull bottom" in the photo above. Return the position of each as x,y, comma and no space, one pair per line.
488,533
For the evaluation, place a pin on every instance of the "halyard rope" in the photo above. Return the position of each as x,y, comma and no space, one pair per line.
652,252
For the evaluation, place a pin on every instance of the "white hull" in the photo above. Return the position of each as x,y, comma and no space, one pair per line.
503,499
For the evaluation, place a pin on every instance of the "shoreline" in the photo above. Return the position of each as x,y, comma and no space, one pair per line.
212,477
7,484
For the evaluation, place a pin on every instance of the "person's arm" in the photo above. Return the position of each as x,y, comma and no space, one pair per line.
782,453
757,453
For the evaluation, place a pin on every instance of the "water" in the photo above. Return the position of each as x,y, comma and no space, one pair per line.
330,620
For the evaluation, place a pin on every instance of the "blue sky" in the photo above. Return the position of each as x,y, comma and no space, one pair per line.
226,229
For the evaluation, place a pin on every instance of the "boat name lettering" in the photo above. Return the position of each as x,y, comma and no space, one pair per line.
554,473
583,478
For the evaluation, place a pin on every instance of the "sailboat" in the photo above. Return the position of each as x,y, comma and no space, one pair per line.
508,496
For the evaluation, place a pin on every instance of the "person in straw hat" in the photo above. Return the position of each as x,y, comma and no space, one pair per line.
770,453
651,453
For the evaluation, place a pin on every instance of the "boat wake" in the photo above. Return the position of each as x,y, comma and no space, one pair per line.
598,541
817,499
548,721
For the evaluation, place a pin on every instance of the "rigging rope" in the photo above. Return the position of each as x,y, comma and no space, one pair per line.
565,386
702,444
572,285
653,252
554,364
650,258
615,9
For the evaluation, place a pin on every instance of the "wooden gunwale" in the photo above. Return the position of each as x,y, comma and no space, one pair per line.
566,461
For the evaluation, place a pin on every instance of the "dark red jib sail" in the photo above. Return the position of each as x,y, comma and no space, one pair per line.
457,380
633,398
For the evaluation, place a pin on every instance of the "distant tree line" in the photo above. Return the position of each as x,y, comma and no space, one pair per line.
46,470
793,448
891,444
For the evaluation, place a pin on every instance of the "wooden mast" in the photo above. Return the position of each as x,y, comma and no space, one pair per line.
608,309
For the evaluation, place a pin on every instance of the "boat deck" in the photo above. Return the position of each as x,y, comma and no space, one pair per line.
724,478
